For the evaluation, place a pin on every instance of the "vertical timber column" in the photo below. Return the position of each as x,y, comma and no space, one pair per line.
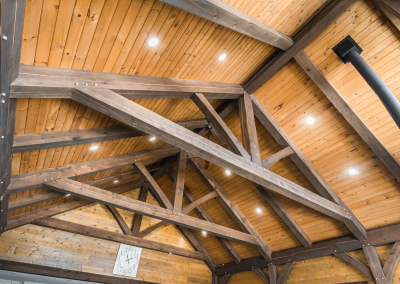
11,18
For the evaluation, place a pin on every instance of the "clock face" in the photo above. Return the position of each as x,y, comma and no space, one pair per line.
127,261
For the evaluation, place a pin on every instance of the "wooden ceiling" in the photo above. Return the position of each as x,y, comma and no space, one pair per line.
111,36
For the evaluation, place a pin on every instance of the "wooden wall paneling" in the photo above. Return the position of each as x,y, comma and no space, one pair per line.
375,264
12,15
220,127
314,27
249,134
175,136
391,262
64,273
202,214
234,19
305,165
137,219
356,263
349,114
48,211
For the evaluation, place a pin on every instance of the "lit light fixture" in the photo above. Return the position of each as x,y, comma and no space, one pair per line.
152,138
115,181
258,210
170,253
93,148
310,120
222,57
204,233
154,41
68,195
353,172
228,172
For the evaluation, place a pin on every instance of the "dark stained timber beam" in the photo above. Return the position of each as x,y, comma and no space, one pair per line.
124,110
219,125
389,15
64,273
179,182
48,211
47,140
313,28
306,167
122,224
11,21
391,262
349,114
199,201
137,219
249,136
264,278
224,279
203,215
268,162
48,82
109,198
356,263
273,274
35,179
375,264
221,13
115,237
376,237
392,5
285,272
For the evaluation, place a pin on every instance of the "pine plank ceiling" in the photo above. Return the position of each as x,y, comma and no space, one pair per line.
111,36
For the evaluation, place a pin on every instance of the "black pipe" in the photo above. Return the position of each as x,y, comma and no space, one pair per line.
349,51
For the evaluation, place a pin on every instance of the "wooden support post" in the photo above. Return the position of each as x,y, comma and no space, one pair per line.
356,263
285,272
137,219
391,262
224,279
11,21
179,182
214,279
273,274
220,127
121,222
375,264
306,167
262,275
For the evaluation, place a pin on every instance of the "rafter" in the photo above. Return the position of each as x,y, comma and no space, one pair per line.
313,28
48,82
376,145
264,278
356,263
121,222
392,5
391,262
273,274
270,161
389,15
227,16
306,167
35,179
133,114
179,182
375,264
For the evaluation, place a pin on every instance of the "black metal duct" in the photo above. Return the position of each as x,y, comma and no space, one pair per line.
349,51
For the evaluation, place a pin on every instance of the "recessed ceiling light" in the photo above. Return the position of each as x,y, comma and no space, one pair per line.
204,233
170,253
68,195
310,120
152,138
154,41
258,210
228,172
115,181
222,57
93,148
353,172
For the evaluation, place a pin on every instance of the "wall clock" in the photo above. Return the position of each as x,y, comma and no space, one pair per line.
127,261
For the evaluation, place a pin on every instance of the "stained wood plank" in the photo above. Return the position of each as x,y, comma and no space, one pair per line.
225,15
273,274
135,206
388,14
313,28
137,219
356,263
121,222
307,168
268,162
392,5
198,202
391,262
33,199
65,273
220,127
179,182
264,278
131,113
47,140
224,279
349,114
34,179
375,264
285,272
47,82
11,22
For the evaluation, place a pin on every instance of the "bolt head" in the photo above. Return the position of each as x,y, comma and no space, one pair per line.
4,37
3,101
3,94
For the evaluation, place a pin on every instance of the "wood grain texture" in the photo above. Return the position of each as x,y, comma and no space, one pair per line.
391,262
375,264
268,162
356,263
264,278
